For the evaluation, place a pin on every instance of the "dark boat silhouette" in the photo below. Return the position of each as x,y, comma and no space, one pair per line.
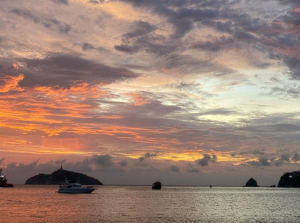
156,185
3,180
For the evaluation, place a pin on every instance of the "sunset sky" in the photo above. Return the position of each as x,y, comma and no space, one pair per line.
190,92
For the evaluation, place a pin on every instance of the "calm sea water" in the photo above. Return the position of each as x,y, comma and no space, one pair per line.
25,203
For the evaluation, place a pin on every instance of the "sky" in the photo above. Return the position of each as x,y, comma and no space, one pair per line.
188,92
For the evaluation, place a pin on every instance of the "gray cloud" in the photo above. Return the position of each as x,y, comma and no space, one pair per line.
284,158
187,64
192,169
183,16
243,27
1,160
63,2
181,27
147,156
243,35
22,166
87,46
26,14
60,162
206,160
156,45
227,27
286,40
293,65
220,111
46,22
96,1
262,161
296,157
123,163
140,28
284,127
150,155
293,18
294,3
214,44
81,166
275,159
126,48
63,70
102,160
249,24
175,169
281,127
251,152
65,29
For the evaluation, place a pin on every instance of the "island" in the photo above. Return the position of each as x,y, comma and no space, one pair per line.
61,175
290,179
251,183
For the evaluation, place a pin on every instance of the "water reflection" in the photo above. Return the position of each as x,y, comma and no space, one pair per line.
25,203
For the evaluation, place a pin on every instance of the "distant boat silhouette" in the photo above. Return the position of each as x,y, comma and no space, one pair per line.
3,180
156,185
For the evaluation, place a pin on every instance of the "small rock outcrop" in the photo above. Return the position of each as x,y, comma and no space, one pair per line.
251,183
61,175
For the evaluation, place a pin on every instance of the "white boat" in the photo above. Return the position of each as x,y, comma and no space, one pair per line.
74,188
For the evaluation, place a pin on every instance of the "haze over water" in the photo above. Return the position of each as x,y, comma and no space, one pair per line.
27,203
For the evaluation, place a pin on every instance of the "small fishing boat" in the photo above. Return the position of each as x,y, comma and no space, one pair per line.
74,188
3,180
156,185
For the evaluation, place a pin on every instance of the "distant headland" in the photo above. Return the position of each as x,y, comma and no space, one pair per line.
290,179
61,175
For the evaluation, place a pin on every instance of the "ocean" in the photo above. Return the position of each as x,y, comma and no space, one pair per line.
28,203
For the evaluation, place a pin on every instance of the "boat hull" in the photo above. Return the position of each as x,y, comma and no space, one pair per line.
6,185
156,187
76,191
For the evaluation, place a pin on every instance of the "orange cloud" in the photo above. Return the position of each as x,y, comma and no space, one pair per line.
56,120
35,110
138,99
15,66
11,83
297,10
78,92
